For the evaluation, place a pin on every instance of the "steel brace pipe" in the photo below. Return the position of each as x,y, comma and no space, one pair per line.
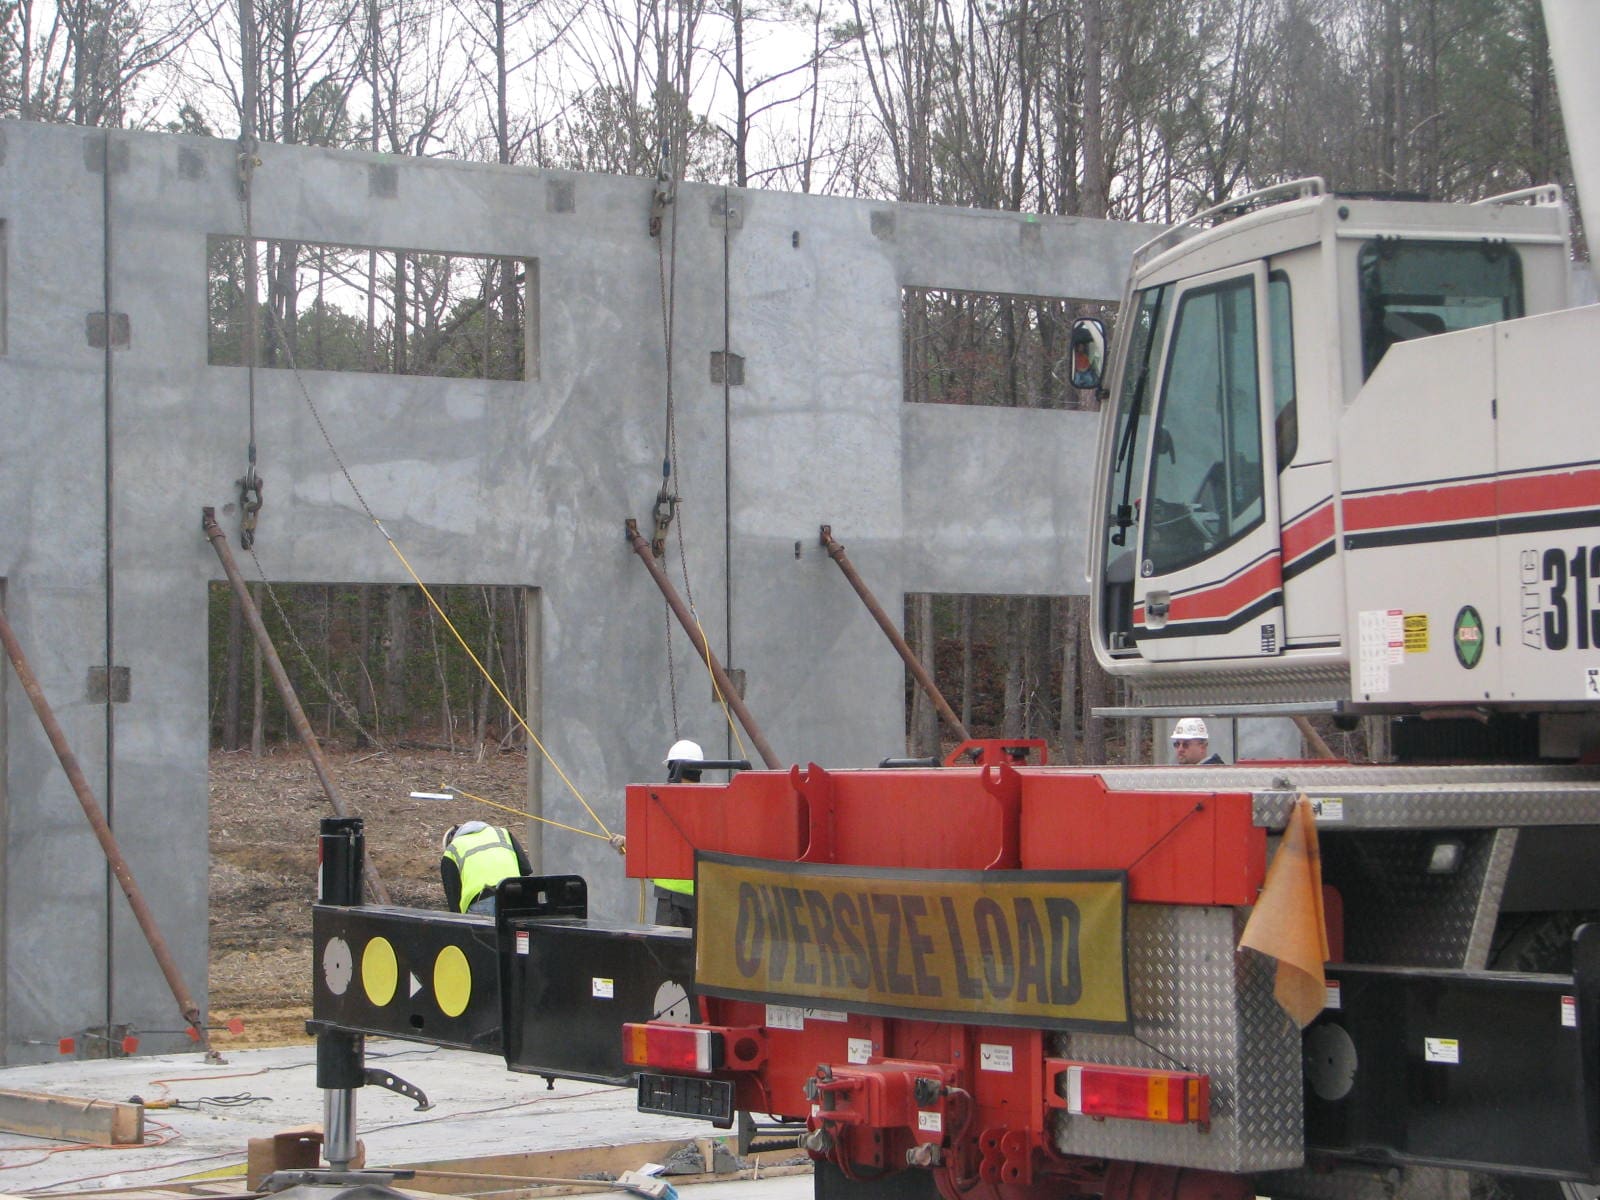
913,663
280,677
102,831
675,602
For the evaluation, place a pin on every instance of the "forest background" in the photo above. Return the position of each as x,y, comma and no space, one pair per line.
1142,110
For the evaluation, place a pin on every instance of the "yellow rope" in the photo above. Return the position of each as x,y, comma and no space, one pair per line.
510,707
717,691
531,816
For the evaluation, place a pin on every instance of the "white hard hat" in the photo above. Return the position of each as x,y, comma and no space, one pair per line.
464,828
1190,729
684,751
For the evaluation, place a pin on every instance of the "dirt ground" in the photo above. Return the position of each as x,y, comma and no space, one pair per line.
264,815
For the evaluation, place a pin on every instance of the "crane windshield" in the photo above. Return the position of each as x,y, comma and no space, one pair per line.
1145,330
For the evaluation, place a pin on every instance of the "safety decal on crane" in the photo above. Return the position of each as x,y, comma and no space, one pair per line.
1022,948
1381,645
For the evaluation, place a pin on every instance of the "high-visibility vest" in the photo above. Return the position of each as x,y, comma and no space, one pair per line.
484,858
684,887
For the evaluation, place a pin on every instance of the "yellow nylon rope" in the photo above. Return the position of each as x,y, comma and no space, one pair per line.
531,816
510,707
717,691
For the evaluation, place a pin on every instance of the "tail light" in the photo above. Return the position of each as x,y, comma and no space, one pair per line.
672,1047
1096,1090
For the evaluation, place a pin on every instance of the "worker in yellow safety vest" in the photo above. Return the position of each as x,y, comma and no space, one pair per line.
675,897
474,858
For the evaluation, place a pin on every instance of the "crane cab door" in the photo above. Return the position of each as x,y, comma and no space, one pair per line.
1209,580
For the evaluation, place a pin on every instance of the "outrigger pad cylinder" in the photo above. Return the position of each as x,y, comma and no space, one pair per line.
341,848
341,1058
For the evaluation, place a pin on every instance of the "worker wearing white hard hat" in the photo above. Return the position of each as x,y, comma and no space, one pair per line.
675,897
1191,743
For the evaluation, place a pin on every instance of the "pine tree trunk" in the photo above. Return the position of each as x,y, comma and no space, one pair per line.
1072,631
480,722
1036,696
447,724
1094,696
924,717
515,660
231,680
1015,641
396,645
366,701
258,716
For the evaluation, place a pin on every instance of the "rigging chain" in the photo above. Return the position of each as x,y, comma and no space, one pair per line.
250,484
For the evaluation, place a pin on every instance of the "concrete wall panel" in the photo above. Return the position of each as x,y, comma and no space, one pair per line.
494,482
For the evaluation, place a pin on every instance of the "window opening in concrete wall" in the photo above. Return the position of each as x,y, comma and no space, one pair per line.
396,312
1022,667
372,664
400,681
990,348
1015,667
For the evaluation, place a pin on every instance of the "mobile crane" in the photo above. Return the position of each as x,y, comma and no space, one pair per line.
1350,465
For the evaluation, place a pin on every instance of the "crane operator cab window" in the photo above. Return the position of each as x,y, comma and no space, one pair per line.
1202,428
1411,289
1145,335
1205,474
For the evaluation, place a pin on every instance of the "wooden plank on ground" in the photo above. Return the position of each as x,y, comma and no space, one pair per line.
514,1174
72,1118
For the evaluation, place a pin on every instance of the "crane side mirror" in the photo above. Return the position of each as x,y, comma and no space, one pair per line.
1088,352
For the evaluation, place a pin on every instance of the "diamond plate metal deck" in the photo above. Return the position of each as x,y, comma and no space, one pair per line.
1198,1003
1390,797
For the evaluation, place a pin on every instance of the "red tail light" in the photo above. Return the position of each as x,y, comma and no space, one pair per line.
1095,1090
672,1047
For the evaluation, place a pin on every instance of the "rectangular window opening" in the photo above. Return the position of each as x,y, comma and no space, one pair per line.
397,708
384,311
990,348
1013,667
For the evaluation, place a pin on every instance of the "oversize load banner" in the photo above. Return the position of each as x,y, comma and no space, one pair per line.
1026,948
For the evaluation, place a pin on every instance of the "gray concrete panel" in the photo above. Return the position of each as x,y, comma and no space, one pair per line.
996,499
492,482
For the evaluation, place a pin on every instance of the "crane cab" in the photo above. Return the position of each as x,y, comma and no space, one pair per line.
1277,373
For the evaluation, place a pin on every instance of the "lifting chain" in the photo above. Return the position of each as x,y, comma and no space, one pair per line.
249,505
665,509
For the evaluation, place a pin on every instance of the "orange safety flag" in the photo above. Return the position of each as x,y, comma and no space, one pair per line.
1288,923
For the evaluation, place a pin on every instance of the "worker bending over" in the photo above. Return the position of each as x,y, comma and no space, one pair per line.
474,858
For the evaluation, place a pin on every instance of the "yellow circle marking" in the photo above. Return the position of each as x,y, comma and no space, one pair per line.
452,981
380,971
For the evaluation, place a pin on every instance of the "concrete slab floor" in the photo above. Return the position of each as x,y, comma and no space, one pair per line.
479,1109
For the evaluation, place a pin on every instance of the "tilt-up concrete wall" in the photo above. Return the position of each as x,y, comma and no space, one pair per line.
117,432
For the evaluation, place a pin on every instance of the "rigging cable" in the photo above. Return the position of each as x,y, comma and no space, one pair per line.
666,506
250,485
666,512
516,713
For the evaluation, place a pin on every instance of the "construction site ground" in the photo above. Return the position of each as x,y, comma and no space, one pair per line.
489,1130
199,1115
264,815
